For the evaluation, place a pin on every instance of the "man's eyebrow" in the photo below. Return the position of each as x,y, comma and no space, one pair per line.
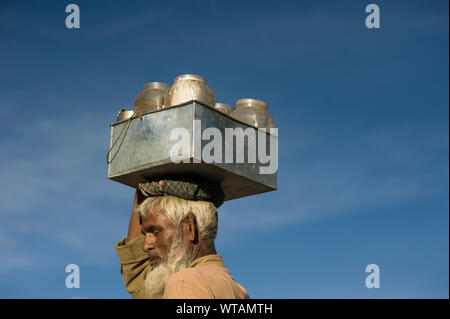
151,228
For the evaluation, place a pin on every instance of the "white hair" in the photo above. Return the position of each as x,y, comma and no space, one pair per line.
176,209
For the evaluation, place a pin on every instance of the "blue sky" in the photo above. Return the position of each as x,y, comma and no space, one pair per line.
363,140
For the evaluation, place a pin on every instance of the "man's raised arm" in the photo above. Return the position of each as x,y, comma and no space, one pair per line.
134,262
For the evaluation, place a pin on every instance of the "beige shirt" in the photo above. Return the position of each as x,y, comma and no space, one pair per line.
205,278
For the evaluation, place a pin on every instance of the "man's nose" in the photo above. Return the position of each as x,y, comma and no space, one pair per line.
149,242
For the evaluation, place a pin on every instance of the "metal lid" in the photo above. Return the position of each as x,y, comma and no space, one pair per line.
251,103
224,106
190,77
156,85
124,114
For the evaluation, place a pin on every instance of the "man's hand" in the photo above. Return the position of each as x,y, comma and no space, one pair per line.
134,229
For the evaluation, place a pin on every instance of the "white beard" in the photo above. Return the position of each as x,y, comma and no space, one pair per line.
178,259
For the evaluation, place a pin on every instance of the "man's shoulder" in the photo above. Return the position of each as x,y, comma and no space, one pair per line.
202,271
208,280
189,274
187,283
198,276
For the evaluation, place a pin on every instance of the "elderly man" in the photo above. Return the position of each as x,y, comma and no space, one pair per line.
169,251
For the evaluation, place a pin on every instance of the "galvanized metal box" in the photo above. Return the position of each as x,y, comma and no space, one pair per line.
144,147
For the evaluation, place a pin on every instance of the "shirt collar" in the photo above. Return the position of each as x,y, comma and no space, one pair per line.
206,259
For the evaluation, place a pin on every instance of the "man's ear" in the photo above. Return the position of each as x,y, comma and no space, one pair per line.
191,228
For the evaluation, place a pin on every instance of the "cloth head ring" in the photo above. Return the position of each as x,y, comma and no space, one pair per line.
190,190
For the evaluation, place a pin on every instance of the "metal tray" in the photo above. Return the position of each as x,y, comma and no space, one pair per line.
142,151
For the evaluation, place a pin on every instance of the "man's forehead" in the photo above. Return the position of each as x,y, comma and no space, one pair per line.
155,216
